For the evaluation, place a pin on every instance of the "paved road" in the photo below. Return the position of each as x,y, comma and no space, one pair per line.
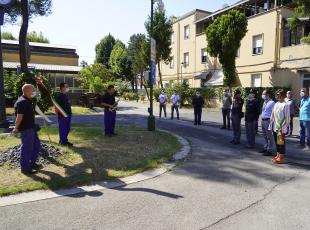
219,187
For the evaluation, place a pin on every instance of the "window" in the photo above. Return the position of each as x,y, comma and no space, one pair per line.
256,80
171,82
204,56
172,38
171,64
186,32
186,59
258,44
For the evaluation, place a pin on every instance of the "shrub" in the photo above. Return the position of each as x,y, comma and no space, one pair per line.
306,39
131,96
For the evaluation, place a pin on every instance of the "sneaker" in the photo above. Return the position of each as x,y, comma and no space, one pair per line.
232,142
237,143
267,154
69,144
307,149
249,147
223,127
28,172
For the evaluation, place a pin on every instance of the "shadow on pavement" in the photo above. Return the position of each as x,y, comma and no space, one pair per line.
156,192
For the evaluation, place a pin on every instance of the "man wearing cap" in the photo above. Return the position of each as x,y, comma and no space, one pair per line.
162,103
304,116
25,124
266,114
293,107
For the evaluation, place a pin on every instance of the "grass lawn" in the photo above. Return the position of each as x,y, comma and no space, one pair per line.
93,158
77,110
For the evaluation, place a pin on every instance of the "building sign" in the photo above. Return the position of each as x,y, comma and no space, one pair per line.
153,73
153,50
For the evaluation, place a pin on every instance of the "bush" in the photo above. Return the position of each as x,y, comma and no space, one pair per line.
131,96
306,39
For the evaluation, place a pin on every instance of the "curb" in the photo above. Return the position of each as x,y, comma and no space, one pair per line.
146,175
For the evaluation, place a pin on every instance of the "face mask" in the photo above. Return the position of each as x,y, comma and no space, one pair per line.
67,90
198,94
302,94
264,97
34,94
277,97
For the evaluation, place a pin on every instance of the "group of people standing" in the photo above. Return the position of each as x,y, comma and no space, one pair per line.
276,119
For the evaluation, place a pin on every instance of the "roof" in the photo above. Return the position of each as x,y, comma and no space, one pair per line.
223,10
45,67
191,13
40,44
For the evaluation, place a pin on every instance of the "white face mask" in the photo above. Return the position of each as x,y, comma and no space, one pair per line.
34,94
264,97
67,90
302,94
198,94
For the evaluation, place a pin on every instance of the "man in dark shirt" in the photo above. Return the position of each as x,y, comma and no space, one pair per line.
109,104
198,103
64,122
25,124
251,118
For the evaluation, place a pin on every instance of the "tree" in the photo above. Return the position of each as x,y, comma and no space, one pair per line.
8,36
162,32
120,63
224,37
91,73
34,37
10,77
104,49
27,9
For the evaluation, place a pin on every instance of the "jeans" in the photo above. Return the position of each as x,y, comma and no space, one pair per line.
64,129
109,121
30,148
226,116
176,108
236,125
280,148
162,107
267,134
197,114
250,132
304,127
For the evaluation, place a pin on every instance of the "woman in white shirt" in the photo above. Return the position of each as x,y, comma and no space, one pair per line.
279,125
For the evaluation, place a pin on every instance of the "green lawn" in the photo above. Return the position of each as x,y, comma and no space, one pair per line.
93,158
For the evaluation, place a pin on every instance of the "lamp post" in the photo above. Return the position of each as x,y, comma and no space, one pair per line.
151,118
4,123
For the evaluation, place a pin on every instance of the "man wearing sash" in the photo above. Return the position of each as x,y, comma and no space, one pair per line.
279,125
25,124
108,101
64,119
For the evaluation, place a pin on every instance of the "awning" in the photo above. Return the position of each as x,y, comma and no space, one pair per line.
45,67
203,75
217,79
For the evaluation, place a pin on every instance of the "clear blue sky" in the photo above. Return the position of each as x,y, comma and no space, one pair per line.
74,22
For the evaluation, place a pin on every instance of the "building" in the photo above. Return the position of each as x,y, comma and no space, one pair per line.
270,55
58,63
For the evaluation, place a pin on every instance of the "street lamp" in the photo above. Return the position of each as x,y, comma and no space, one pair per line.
151,118
3,121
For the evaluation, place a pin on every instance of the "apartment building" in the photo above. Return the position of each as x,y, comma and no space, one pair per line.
270,54
59,63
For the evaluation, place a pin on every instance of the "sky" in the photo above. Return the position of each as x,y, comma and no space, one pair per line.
83,24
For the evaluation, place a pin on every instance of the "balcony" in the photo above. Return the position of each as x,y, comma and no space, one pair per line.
295,57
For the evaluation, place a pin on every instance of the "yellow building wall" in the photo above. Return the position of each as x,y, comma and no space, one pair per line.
42,59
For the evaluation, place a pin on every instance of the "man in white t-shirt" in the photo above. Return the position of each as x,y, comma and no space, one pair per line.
162,103
175,101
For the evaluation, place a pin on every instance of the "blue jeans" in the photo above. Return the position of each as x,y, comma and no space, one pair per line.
176,108
30,148
109,121
236,125
64,129
250,132
304,127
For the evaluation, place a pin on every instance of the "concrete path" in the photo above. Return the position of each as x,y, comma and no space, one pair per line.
220,187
